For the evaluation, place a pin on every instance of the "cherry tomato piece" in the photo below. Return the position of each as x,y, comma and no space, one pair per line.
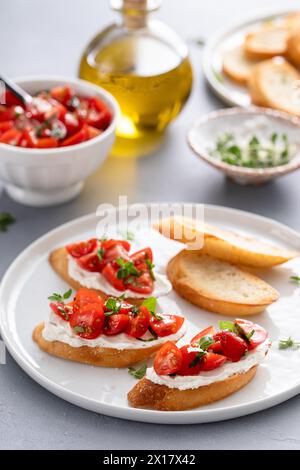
169,325
72,124
46,142
138,323
5,126
86,296
11,137
76,250
191,361
62,93
212,361
256,333
142,255
115,324
78,138
233,346
168,360
110,274
62,310
207,331
90,262
143,284
88,321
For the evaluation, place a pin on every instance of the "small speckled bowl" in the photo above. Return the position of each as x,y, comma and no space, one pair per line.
206,130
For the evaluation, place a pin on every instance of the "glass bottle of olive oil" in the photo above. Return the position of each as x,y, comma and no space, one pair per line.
145,65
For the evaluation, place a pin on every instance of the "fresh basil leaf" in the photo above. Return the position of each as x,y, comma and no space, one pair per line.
67,294
227,325
138,373
289,344
205,342
79,329
6,219
295,279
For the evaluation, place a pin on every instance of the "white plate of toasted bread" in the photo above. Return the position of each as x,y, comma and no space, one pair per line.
257,61
248,268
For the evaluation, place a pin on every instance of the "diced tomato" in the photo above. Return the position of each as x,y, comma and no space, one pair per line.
57,111
212,361
88,321
168,360
99,115
143,284
28,138
5,126
107,244
11,137
10,114
216,347
72,124
82,248
62,310
86,296
191,361
90,262
207,331
62,93
11,99
46,142
169,325
256,333
110,274
138,323
78,138
142,255
93,132
233,346
115,324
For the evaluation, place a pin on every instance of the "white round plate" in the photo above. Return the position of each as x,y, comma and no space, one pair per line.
23,304
228,90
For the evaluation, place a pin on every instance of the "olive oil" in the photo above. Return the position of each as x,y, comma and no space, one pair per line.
145,66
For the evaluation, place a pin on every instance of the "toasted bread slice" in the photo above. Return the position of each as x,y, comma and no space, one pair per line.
98,356
293,48
266,42
146,394
59,262
225,245
292,21
272,84
218,286
237,66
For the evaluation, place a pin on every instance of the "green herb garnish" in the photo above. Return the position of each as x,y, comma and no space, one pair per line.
100,253
129,236
295,279
197,358
254,153
227,325
6,219
151,268
289,344
138,373
79,329
150,303
127,269
60,298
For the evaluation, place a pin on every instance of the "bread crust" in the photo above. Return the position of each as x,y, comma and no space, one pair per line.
238,73
58,259
218,244
98,356
255,52
293,49
182,285
146,394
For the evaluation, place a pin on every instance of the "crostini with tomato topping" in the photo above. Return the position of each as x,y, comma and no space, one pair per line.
105,332
212,366
115,267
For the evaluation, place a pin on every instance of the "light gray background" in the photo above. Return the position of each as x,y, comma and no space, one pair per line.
47,37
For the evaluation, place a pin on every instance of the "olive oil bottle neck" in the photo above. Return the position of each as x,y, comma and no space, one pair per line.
135,13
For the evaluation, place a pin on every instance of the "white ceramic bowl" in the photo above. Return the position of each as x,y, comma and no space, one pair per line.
51,176
205,130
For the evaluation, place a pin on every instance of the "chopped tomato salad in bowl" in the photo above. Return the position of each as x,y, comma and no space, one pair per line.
89,316
49,147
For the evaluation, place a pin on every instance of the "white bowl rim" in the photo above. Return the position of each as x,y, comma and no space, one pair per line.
293,164
73,81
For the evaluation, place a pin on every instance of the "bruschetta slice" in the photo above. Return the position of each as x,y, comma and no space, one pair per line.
107,333
266,42
237,66
219,286
225,245
212,366
114,267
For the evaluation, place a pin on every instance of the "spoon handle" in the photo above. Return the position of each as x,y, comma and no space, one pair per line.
17,91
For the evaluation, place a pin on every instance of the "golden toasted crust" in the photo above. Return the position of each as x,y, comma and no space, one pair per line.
146,394
225,245
104,357
293,49
59,262
266,43
189,285
237,66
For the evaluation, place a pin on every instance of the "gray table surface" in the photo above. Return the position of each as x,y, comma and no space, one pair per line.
47,38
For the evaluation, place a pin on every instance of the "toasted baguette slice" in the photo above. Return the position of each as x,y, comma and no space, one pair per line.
146,394
266,42
98,356
293,48
218,286
225,245
59,262
272,84
292,21
237,66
